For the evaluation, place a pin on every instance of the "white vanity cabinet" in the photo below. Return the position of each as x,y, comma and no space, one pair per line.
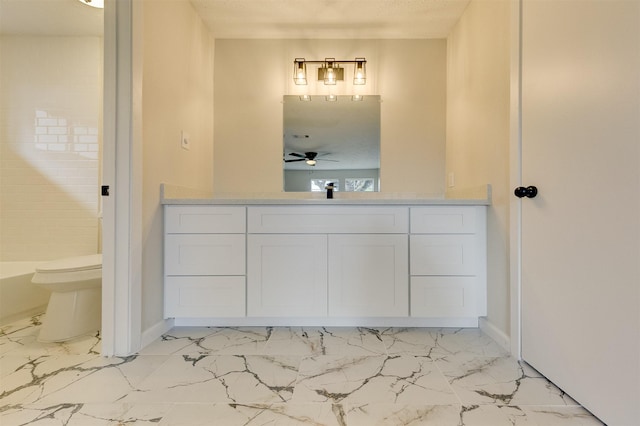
204,261
328,261
366,264
448,261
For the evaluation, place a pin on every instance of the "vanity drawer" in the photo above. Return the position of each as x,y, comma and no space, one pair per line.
194,297
205,254
205,220
328,220
443,220
443,297
443,255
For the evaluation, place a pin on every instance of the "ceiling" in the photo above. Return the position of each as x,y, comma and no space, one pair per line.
344,19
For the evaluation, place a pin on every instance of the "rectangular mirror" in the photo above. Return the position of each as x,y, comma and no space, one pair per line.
331,139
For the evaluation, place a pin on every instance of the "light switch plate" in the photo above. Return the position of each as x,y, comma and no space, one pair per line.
185,140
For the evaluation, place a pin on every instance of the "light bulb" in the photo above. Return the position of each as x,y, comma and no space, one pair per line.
330,76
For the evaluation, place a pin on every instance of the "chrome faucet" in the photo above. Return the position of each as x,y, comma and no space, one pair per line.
329,187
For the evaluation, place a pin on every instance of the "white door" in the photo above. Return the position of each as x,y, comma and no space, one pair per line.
581,234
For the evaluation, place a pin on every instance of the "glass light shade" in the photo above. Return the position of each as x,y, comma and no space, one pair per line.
311,162
330,76
360,71
305,98
331,98
357,98
299,71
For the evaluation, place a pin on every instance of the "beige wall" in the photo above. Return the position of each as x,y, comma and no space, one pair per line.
50,120
251,76
177,95
478,61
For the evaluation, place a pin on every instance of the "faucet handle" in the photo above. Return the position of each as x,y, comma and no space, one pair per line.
329,187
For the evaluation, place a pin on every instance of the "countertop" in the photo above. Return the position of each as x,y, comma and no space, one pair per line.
175,195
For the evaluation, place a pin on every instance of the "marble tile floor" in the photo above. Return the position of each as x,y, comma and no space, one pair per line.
278,376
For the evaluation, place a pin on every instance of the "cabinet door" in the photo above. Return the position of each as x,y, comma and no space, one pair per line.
444,255
368,275
328,220
287,275
204,296
204,254
443,297
204,220
443,220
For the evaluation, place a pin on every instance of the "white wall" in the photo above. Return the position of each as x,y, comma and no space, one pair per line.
478,61
50,121
251,76
177,96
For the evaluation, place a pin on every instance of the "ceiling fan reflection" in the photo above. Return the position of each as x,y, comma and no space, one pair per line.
309,157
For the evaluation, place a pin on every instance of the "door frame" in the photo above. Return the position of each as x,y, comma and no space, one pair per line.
122,172
515,178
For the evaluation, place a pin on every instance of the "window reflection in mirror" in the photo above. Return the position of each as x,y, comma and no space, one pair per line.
336,141
320,185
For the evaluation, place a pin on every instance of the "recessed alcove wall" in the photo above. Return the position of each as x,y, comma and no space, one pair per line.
251,76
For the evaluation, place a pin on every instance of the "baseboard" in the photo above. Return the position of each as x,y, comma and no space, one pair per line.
29,313
495,333
155,331
462,322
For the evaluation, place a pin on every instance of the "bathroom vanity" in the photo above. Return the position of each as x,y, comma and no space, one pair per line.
291,261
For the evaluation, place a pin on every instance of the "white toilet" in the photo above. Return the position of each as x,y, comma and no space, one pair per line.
75,305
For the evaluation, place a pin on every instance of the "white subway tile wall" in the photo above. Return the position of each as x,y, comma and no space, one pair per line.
50,145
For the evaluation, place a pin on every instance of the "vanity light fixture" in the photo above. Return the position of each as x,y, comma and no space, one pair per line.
98,4
299,71
357,98
330,71
331,98
305,98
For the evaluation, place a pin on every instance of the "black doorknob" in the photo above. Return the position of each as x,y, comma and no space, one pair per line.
529,191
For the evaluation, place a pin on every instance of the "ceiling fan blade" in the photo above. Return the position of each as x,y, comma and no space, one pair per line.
295,154
324,159
292,161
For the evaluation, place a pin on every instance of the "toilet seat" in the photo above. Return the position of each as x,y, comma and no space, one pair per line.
71,269
78,263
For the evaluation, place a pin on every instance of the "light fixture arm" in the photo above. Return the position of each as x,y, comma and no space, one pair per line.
329,70
335,61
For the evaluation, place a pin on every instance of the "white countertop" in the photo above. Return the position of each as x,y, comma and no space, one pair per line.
174,195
